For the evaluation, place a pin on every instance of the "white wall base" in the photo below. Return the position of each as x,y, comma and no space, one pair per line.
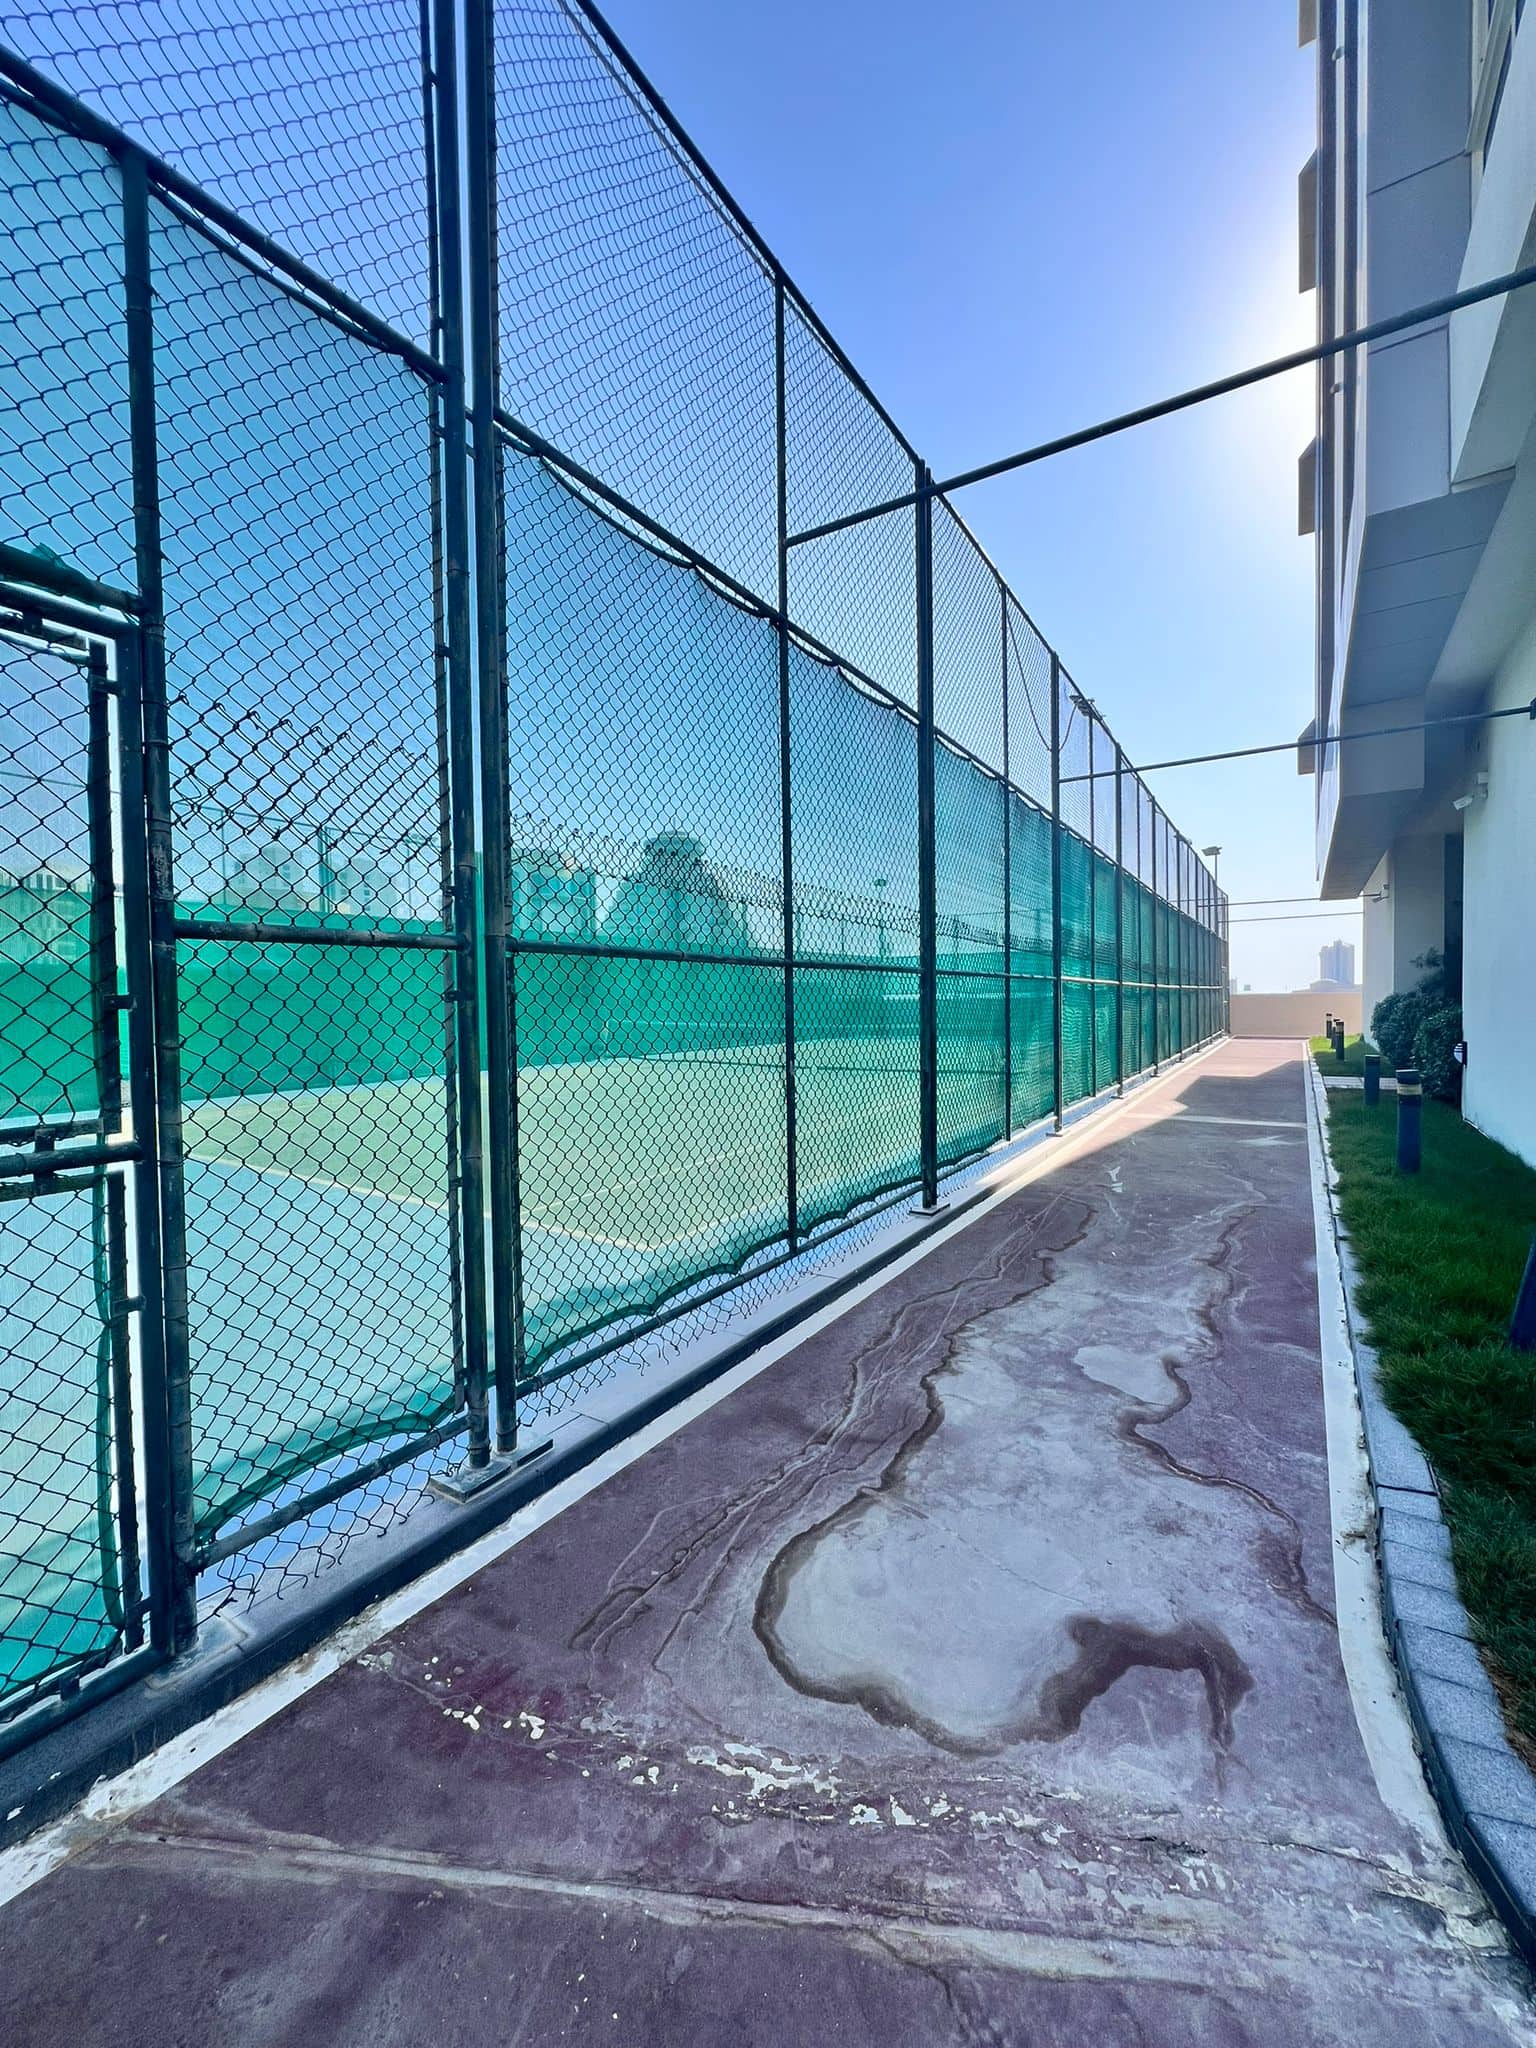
1499,930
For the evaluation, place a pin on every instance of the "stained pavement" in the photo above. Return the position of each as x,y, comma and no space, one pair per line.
969,1675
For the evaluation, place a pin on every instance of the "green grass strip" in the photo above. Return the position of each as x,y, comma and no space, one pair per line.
1353,1062
1441,1254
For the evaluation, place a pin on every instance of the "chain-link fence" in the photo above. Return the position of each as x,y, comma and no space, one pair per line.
479,892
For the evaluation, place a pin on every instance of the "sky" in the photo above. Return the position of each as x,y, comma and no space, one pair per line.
1018,219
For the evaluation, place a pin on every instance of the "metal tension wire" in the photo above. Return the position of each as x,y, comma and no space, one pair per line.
1336,739
1358,337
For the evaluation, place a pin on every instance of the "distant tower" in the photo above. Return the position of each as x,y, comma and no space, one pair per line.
1336,963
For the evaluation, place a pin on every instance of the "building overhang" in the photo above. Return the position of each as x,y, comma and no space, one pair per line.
1417,562
1380,783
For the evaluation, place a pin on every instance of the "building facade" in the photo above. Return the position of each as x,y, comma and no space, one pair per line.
45,919
1421,491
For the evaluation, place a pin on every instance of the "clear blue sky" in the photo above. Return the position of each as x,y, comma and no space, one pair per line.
1017,218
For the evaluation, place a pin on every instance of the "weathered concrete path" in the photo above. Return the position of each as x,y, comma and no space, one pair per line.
970,1675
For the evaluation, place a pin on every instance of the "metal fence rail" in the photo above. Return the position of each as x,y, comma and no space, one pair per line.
471,893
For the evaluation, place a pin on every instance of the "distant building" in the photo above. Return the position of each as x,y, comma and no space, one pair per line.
274,876
1336,965
45,918
358,891
552,898
675,902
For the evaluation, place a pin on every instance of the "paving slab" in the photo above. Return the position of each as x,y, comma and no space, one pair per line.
971,1674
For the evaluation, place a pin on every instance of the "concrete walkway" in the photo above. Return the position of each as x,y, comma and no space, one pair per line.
969,1675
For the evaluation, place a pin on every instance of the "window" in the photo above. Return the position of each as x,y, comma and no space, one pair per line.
1494,23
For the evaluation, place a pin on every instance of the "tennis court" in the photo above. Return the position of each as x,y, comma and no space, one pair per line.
320,1259
636,1174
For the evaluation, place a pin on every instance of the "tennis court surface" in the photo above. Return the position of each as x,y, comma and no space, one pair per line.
969,1673
320,1259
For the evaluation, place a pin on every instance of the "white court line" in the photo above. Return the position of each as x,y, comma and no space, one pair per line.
114,1799
411,1081
617,1244
1380,1711
315,1180
701,1237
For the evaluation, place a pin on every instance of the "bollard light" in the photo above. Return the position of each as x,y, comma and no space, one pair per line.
1338,1040
1410,1098
1372,1079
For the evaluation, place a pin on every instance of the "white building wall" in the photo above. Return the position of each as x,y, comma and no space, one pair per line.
1418,903
1376,957
1405,920
1499,932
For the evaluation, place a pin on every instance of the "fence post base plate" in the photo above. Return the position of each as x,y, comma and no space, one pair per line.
465,1482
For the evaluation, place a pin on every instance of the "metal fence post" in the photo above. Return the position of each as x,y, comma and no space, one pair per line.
501,985
508,1339
1002,591
139,962
927,876
1202,952
1057,1075
452,468
1141,964
1157,924
1119,921
1191,958
173,1524
1093,915
117,1535
1178,931
786,793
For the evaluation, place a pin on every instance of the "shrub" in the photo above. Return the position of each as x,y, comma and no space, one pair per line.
1397,1018
1437,980
1394,1025
1434,1049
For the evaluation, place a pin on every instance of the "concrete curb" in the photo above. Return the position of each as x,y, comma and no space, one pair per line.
1485,1792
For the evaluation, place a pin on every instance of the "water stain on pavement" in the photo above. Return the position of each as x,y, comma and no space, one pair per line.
1019,1553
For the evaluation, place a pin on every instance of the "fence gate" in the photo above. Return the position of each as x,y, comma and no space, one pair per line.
84,1552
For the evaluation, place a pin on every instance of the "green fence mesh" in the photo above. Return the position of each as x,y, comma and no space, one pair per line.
705,829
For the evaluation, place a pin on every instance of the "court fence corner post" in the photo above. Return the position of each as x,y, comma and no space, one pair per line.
168,1435
1157,941
786,813
1058,1094
469,304
457,549
1119,920
1002,591
927,878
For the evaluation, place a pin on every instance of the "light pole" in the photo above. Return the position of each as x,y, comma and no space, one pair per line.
1213,855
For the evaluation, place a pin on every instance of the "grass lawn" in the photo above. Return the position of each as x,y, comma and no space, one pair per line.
1441,1254
1353,1062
